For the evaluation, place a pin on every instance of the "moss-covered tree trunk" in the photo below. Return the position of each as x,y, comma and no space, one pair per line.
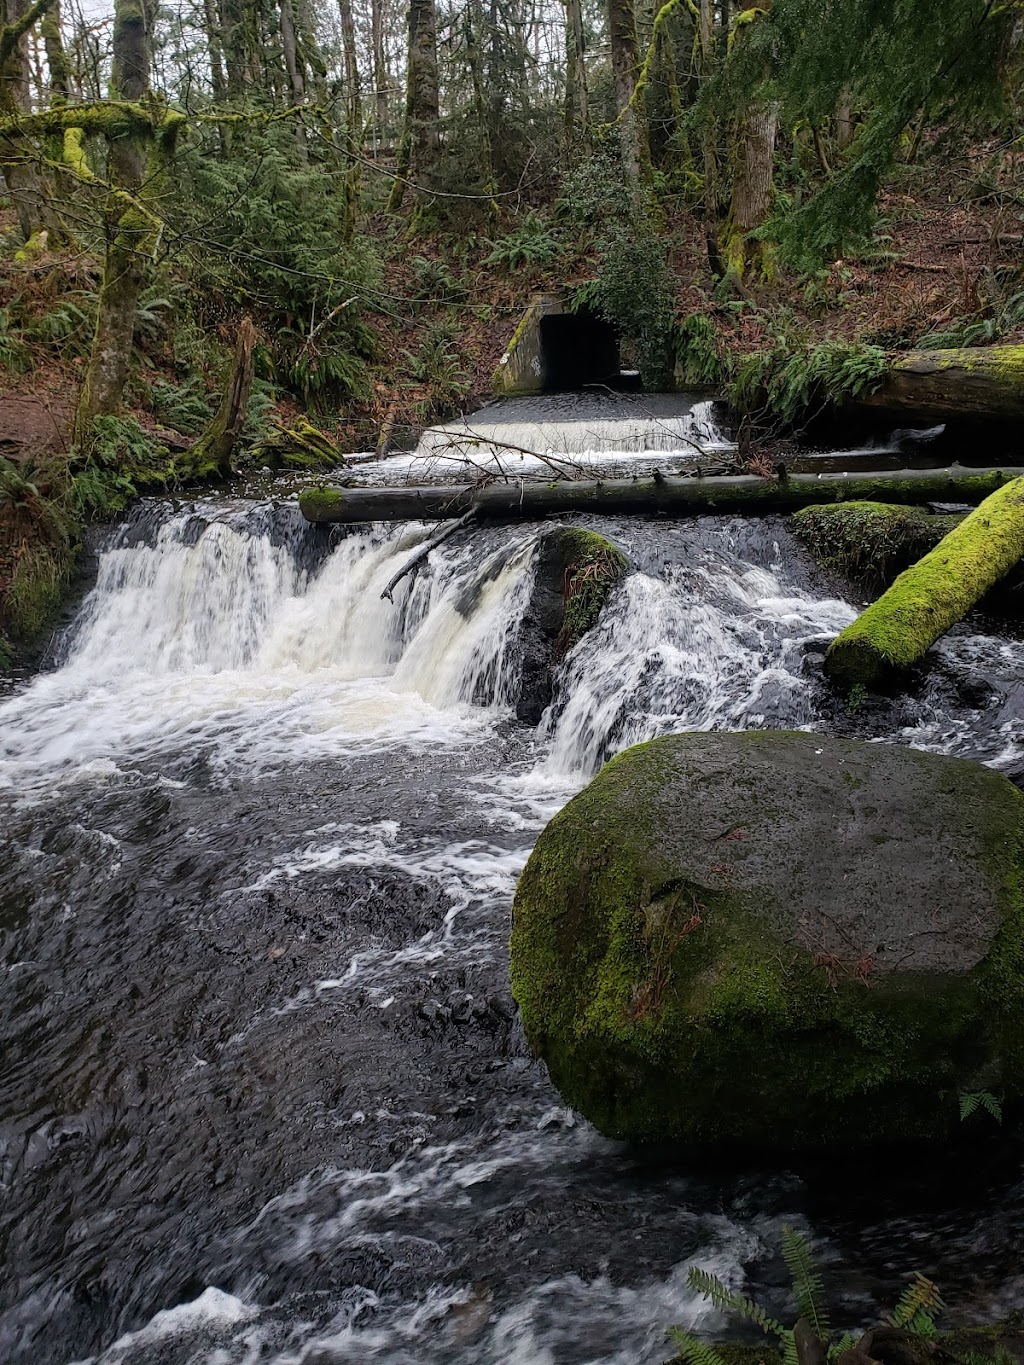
632,122
894,633
25,182
421,134
129,228
753,185
982,381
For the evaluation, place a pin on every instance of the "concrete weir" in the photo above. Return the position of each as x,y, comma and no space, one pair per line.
553,349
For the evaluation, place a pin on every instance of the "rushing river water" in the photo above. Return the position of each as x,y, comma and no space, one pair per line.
265,1098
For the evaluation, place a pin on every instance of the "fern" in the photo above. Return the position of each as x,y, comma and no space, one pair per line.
918,1305
725,1298
532,243
975,1100
692,1350
807,1283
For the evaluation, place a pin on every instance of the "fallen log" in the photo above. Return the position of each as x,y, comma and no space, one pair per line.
981,381
895,631
660,495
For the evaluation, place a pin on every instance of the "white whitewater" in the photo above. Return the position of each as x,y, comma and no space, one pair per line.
564,434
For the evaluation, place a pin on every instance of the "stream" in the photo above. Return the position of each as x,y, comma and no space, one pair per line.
265,1097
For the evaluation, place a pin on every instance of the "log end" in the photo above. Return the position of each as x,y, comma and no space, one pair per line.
317,504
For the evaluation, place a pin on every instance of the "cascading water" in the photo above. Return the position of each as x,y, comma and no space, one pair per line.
562,434
265,1095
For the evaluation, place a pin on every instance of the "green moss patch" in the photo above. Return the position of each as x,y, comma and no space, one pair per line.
894,633
709,946
869,542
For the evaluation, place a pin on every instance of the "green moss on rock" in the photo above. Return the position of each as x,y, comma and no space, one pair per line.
894,633
709,946
593,566
314,502
869,542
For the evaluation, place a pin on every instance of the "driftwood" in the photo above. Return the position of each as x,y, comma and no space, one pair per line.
212,452
981,381
662,495
417,559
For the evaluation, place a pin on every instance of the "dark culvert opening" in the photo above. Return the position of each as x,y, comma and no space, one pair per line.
578,349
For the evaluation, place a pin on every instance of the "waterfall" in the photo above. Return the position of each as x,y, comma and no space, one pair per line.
218,630
566,433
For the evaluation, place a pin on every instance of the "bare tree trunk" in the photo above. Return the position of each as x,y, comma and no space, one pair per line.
125,264
474,23
843,122
354,115
213,45
577,112
421,136
632,122
380,70
291,55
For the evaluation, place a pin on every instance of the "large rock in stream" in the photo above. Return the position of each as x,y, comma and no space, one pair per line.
777,939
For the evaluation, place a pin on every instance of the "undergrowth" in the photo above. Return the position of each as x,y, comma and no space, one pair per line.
914,1314
788,386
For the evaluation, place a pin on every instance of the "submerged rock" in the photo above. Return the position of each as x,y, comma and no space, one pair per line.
778,939
574,573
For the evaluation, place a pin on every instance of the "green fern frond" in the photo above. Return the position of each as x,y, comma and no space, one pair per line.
790,1355
845,1343
692,1350
807,1282
725,1298
921,1296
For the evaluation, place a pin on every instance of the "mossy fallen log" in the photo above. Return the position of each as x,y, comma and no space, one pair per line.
894,633
659,495
981,381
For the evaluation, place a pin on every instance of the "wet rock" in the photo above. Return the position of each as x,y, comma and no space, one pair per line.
575,571
777,939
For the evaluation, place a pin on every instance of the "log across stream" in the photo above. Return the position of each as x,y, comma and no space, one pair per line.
661,494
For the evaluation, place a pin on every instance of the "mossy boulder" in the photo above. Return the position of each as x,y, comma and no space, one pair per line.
574,572
778,940
870,542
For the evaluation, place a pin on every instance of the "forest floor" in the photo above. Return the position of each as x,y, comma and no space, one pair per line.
942,245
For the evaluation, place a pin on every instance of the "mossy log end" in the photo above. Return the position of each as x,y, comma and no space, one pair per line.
983,381
895,631
658,496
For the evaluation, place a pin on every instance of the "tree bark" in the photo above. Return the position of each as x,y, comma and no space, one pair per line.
633,139
577,102
894,633
381,80
212,452
353,116
128,231
983,381
421,135
753,185
662,496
